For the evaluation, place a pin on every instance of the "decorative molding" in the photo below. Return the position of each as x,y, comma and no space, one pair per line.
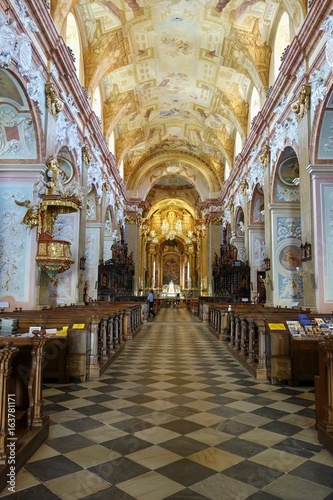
288,227
327,26
318,89
27,22
23,143
286,194
286,131
67,133
17,47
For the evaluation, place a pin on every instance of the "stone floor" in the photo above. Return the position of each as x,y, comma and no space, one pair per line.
176,417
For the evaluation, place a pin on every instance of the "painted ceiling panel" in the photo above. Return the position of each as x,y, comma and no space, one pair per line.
176,75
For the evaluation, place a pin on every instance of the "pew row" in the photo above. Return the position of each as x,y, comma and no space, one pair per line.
94,336
258,337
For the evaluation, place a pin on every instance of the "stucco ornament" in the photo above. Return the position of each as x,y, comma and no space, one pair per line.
17,47
327,26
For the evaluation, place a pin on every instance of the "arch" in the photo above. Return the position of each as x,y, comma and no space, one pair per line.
257,208
18,139
324,132
286,172
201,175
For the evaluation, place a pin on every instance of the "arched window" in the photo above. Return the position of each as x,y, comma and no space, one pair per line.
226,170
112,143
282,40
254,104
121,169
238,144
97,103
73,41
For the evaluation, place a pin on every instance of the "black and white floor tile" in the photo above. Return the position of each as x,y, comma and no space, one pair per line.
176,417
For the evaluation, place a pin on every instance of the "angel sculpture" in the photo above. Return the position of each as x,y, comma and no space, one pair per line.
31,216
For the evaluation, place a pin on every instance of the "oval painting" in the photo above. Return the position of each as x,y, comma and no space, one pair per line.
289,170
290,257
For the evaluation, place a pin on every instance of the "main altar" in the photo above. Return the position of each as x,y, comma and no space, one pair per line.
170,290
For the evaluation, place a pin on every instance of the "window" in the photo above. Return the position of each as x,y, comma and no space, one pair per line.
254,104
238,144
97,103
282,40
73,41
112,143
226,170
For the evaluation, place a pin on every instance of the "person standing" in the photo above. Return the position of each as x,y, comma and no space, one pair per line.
150,300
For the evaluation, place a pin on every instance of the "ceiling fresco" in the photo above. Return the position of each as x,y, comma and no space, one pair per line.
176,79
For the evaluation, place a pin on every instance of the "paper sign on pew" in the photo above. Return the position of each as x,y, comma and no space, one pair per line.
32,329
63,332
276,326
50,331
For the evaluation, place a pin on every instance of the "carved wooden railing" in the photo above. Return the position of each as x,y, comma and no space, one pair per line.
23,425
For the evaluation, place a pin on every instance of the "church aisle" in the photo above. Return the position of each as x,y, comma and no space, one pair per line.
176,417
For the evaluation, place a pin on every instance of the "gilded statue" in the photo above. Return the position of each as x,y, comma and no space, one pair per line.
302,103
244,186
53,102
264,157
86,155
55,175
32,214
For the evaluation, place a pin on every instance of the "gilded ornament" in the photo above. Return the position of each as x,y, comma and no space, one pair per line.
31,216
265,156
54,104
244,186
302,103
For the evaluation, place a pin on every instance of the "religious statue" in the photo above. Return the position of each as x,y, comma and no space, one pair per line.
53,102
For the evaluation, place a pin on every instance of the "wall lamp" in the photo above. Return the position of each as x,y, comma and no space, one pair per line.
306,251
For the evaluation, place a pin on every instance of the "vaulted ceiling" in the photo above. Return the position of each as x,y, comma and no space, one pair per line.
176,78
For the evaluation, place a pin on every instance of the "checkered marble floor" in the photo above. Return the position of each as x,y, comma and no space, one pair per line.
176,417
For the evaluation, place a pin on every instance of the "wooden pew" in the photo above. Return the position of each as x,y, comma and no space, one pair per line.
88,350
258,337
